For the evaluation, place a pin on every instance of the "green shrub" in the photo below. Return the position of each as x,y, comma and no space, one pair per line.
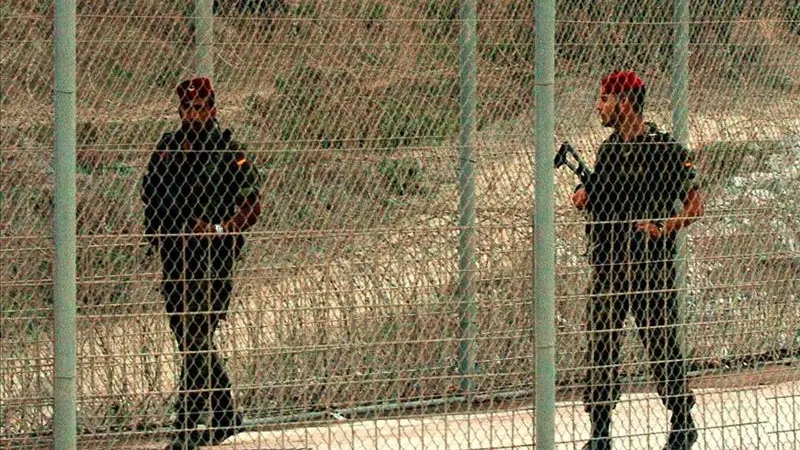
402,175
791,13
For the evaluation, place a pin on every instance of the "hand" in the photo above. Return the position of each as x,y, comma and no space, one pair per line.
651,229
579,198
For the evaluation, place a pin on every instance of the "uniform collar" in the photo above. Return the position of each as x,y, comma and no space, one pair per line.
207,137
652,131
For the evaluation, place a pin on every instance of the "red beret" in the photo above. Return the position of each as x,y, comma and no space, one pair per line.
620,81
189,90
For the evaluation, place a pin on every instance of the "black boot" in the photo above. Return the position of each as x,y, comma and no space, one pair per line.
225,420
225,427
598,444
187,440
682,434
187,437
601,429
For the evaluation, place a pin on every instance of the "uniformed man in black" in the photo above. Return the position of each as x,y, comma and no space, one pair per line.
200,194
641,194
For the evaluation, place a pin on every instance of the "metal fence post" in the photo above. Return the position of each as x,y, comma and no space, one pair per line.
544,225
466,205
64,309
204,37
680,130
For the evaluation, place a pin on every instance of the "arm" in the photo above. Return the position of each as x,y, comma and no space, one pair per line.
579,198
681,182
149,196
693,208
568,156
248,206
247,212
246,215
593,188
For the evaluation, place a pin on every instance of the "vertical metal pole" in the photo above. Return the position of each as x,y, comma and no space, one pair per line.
680,130
466,183
544,225
680,72
64,309
204,37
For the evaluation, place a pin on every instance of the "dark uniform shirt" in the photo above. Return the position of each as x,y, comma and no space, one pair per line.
646,179
195,176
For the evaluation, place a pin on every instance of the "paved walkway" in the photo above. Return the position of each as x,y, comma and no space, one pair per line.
767,417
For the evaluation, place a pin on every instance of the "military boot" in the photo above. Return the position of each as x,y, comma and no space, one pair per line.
225,427
682,434
597,444
601,429
187,440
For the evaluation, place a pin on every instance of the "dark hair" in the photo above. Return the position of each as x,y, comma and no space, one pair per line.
636,96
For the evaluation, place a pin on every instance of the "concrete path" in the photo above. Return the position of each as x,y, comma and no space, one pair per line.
765,417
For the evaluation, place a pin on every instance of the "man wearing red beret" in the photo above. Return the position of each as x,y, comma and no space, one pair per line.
200,193
642,192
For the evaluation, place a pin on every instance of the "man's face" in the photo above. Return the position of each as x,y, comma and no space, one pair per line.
608,107
196,112
614,109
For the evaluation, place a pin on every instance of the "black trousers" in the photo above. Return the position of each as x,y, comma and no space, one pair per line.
645,290
197,288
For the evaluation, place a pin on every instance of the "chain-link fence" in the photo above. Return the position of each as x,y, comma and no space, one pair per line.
358,317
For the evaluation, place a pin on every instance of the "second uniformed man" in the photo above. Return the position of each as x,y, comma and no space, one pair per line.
640,175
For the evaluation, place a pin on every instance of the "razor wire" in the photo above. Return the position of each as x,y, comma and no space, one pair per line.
345,301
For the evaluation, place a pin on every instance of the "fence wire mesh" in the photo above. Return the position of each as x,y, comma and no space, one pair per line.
344,327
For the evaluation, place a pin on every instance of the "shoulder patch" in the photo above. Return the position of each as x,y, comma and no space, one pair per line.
241,160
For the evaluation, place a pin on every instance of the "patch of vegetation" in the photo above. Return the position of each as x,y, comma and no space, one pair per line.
117,71
441,19
402,175
306,9
167,76
375,16
403,122
106,145
426,111
718,162
298,98
307,109
258,7
791,12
